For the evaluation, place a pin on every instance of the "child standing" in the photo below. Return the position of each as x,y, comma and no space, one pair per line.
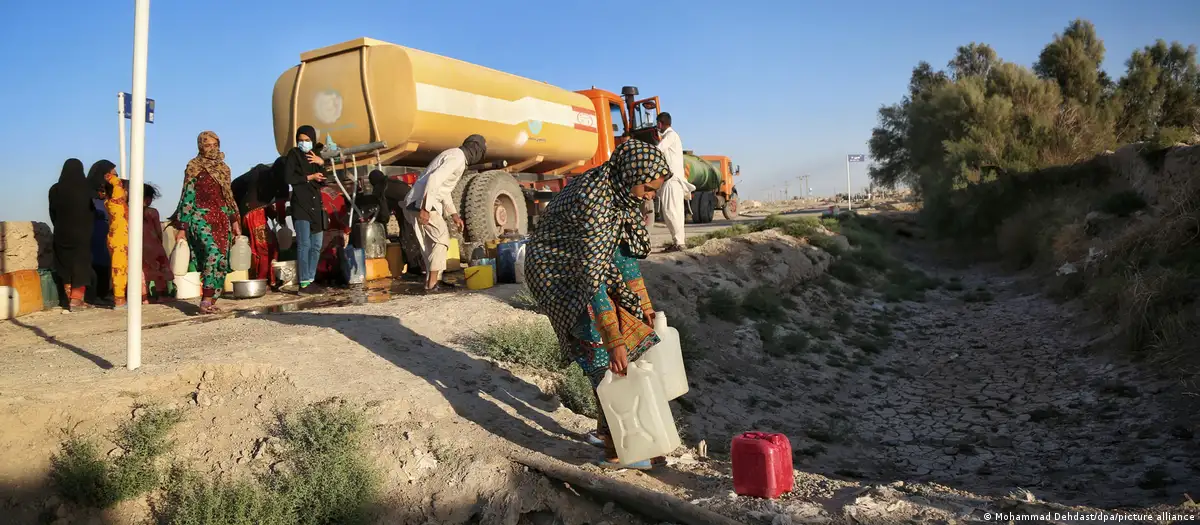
155,266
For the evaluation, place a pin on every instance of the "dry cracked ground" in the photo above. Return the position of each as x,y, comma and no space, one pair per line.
976,395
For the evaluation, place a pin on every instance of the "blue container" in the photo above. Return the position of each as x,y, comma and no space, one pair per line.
354,265
506,261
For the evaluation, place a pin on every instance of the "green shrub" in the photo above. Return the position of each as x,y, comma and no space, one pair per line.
576,393
328,478
529,343
525,300
764,302
847,272
722,304
82,475
827,244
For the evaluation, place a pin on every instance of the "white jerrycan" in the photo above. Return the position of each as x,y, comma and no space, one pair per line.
667,358
180,257
638,415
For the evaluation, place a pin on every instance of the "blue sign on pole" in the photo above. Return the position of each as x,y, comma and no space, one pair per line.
129,108
856,158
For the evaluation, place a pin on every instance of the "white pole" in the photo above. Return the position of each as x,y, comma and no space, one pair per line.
849,200
137,154
121,129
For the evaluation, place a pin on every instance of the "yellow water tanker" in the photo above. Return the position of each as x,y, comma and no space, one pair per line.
420,104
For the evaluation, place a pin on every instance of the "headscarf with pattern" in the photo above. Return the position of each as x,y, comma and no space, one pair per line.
570,253
211,160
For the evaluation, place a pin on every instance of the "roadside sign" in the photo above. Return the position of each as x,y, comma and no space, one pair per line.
129,108
856,158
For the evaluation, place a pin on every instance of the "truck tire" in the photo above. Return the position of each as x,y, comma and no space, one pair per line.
494,203
730,210
702,207
459,195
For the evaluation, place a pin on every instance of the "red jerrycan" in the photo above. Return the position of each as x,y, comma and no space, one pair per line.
762,465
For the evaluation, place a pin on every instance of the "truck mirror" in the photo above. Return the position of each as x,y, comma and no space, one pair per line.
650,104
615,128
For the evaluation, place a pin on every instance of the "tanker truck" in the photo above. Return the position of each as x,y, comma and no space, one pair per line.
397,108
712,175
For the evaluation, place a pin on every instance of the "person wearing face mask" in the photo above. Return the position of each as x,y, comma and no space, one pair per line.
677,190
430,200
304,170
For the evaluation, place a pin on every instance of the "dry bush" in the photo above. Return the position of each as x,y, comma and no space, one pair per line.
1070,243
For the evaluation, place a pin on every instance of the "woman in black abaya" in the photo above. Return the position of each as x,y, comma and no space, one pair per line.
72,214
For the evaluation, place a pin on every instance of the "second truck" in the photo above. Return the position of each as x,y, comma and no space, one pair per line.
411,105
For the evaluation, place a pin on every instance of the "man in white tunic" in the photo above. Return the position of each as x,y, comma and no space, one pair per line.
430,200
677,190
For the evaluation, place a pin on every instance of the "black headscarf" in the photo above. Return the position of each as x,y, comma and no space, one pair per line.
95,176
307,130
474,147
71,212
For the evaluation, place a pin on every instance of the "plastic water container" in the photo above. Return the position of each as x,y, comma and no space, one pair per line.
236,275
371,237
285,272
667,358
639,417
50,293
10,302
239,254
354,265
377,269
480,277
395,258
181,256
762,465
28,285
520,264
453,256
506,261
188,286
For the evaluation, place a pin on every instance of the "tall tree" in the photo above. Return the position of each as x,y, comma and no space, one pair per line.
1160,93
972,60
1073,60
889,144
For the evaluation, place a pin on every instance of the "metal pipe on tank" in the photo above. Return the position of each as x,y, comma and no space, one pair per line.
365,148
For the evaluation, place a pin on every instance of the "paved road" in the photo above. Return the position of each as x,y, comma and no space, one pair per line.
659,234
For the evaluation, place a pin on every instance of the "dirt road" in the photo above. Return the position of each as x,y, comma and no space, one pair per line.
931,411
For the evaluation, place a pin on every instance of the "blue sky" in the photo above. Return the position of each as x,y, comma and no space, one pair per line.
785,88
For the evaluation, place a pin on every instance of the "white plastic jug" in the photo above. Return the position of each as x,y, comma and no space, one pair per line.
188,286
667,357
180,257
239,254
10,302
638,415
519,266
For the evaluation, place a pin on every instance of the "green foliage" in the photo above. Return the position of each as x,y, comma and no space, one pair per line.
977,140
327,478
530,343
764,303
525,300
576,392
82,475
722,304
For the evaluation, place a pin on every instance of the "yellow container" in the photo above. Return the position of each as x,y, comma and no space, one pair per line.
395,258
378,269
366,90
453,256
480,277
243,275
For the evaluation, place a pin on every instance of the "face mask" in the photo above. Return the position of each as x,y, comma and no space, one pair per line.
305,145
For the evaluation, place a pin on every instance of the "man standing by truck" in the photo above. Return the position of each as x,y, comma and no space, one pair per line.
677,189
430,200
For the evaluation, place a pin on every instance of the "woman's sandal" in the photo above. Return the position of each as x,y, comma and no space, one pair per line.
208,307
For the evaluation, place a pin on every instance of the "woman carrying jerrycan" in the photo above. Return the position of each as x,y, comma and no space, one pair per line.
581,266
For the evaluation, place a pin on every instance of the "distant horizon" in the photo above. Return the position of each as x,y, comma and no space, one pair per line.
783,96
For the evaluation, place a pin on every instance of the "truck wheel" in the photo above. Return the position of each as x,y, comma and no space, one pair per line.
459,195
702,207
495,203
730,210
